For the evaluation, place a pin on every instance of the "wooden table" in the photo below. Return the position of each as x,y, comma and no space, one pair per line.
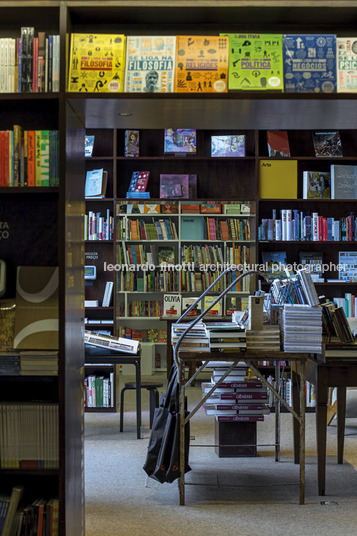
95,355
250,358
336,367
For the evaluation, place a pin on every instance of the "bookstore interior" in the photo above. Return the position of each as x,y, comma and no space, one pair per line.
178,194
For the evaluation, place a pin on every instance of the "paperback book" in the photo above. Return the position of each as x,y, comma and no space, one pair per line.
131,143
172,305
179,140
96,183
346,50
165,255
316,185
327,143
97,63
255,61
278,143
309,63
174,186
139,180
229,145
150,64
88,145
201,64
343,182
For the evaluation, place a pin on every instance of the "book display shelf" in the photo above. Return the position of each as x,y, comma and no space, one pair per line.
45,225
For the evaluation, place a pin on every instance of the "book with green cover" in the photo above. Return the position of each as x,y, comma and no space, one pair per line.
255,61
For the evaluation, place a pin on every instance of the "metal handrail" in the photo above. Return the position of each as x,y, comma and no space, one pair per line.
223,293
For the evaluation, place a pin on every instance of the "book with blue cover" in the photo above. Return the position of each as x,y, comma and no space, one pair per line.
310,63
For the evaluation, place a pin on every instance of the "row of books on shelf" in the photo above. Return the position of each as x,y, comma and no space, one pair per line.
19,518
162,229
320,63
30,435
98,227
298,225
29,63
148,281
183,207
286,391
99,391
29,157
143,335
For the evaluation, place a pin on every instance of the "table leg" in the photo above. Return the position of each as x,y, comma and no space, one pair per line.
296,408
302,429
181,379
277,412
341,415
321,427
138,398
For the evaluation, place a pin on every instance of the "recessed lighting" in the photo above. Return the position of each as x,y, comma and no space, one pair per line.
125,114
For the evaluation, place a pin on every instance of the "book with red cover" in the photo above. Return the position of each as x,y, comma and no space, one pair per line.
139,180
278,143
239,418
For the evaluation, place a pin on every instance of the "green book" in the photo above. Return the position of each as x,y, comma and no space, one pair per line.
45,158
255,61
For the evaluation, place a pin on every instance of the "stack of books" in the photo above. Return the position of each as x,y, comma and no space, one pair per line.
196,339
39,363
264,339
302,328
225,336
239,398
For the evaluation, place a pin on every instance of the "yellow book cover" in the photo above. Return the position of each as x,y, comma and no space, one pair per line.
201,64
38,157
97,63
278,179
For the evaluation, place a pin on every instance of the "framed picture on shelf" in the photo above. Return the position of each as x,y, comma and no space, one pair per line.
180,140
230,145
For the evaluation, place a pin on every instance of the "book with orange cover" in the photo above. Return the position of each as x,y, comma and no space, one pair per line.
201,64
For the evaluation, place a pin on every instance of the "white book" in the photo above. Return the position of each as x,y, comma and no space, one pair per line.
107,293
284,232
289,227
346,63
315,227
118,344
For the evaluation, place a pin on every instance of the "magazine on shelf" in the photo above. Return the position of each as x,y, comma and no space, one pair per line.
109,342
278,143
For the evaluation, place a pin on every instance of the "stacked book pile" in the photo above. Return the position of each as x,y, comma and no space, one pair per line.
225,336
196,339
302,328
264,339
239,398
39,363
10,364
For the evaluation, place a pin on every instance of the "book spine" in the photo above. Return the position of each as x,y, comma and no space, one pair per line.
38,158
45,158
239,418
31,165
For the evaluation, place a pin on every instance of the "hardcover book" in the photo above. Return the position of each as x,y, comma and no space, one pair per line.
139,180
96,183
278,179
229,145
348,263
346,51
187,302
274,261
174,186
172,305
165,255
201,64
310,63
179,140
97,63
327,143
343,182
255,61
150,64
131,148
316,185
278,143
216,310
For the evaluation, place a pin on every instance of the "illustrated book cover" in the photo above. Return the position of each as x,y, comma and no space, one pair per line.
255,61
131,143
139,180
165,255
97,63
150,64
229,145
174,186
348,262
179,140
96,183
309,63
316,185
278,143
343,182
327,143
346,51
88,145
201,64
172,305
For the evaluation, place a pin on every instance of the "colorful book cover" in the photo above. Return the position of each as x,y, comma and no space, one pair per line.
180,140
172,305
187,302
316,185
139,180
229,145
88,145
310,63
165,255
255,61
216,310
327,143
150,64
38,157
174,186
346,51
201,64
131,147
278,143
45,158
97,63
